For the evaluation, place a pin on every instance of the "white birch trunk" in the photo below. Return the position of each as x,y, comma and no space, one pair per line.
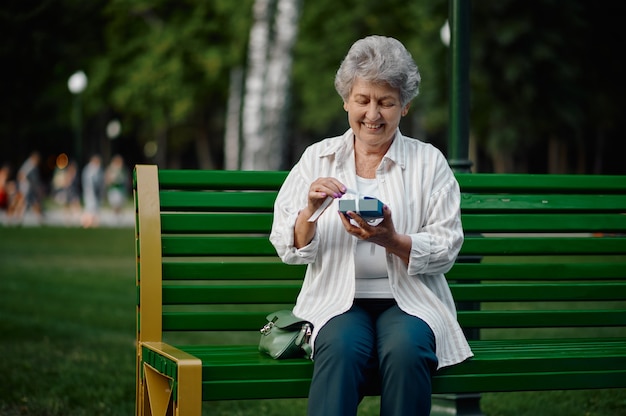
268,84
252,123
279,80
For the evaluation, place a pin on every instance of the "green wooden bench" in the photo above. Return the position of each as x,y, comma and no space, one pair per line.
541,279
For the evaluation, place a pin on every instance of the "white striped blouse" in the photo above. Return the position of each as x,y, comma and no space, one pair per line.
423,195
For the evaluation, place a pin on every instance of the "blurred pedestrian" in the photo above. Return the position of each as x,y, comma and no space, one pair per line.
93,186
5,171
29,186
10,199
66,188
117,180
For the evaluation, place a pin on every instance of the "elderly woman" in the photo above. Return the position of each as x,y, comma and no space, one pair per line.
375,293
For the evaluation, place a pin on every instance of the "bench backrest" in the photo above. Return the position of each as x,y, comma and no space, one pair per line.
541,251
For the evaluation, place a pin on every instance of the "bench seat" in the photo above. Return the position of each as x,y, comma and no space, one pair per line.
236,372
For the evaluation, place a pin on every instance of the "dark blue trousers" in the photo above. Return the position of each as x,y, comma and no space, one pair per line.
373,344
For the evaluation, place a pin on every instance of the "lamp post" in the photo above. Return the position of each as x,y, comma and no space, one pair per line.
77,84
456,37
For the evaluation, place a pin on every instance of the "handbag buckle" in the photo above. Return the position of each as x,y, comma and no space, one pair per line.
267,328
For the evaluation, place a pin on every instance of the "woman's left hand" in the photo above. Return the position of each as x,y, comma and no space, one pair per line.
381,234
384,234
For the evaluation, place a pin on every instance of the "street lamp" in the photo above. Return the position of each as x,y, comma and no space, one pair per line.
77,84
444,33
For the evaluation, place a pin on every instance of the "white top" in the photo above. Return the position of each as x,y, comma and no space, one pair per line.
370,262
419,187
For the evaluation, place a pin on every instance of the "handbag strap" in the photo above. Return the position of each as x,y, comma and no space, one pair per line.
284,319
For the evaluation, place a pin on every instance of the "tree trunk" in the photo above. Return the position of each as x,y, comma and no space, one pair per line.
268,83
557,156
502,161
203,150
279,81
255,83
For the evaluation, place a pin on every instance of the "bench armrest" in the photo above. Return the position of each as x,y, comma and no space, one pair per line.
169,376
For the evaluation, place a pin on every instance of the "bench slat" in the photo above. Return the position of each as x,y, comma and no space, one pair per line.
525,292
547,270
256,389
220,179
250,321
214,321
529,223
174,245
543,202
240,222
510,270
542,318
235,270
217,201
229,294
475,182
232,223
298,388
484,292
263,201
565,380
530,183
542,246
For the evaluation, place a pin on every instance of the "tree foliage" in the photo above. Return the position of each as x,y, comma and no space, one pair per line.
544,75
167,66
545,72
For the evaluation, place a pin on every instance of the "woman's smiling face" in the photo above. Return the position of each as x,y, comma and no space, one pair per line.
374,112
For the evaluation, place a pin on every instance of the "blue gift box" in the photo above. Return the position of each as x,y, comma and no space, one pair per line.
368,208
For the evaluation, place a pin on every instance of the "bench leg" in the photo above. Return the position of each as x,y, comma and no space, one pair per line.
189,401
456,405
157,398
157,393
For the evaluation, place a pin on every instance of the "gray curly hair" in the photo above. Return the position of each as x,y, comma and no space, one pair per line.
379,59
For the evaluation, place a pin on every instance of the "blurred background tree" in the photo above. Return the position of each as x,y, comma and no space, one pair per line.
165,71
545,78
546,85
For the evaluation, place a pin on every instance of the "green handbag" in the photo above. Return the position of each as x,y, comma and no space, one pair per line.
285,336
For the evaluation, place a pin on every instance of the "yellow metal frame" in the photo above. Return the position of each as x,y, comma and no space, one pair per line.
153,389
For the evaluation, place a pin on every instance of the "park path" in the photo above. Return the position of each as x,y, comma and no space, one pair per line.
58,217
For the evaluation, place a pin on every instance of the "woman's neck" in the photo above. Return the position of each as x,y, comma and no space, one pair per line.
367,160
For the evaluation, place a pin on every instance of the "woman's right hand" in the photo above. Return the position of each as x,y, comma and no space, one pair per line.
322,188
319,190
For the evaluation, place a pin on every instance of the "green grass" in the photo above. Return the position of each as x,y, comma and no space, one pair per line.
67,323
67,303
